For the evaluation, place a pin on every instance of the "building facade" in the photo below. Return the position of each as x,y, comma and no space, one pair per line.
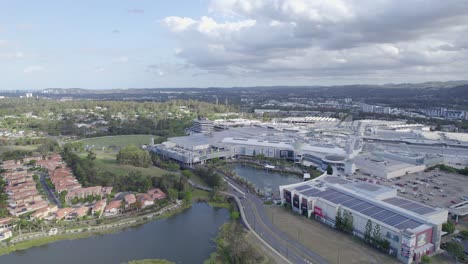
412,229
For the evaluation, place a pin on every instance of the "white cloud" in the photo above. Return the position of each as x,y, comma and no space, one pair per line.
122,59
342,38
33,69
99,69
178,23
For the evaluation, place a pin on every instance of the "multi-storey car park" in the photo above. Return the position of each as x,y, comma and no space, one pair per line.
413,229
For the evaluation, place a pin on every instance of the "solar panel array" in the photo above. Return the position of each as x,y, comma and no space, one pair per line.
302,187
410,205
360,205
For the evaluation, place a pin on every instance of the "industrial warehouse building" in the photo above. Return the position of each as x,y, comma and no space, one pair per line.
412,229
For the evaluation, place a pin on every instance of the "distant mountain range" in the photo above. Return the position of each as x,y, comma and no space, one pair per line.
425,85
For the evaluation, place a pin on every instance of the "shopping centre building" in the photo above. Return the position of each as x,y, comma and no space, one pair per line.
413,229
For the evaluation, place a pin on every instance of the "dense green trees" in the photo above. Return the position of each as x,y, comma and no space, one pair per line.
164,164
210,177
425,259
118,117
83,169
455,249
448,227
3,198
344,221
368,232
233,247
132,155
15,154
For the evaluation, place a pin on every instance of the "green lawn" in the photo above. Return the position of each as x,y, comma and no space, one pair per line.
106,161
200,195
106,158
118,141
196,179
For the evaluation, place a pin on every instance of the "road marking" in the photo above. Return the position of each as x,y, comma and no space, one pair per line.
237,189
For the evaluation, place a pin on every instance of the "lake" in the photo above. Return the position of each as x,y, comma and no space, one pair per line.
267,181
186,237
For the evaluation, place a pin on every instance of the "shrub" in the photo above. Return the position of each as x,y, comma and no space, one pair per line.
448,227
425,259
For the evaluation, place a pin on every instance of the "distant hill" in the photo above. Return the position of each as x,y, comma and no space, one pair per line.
354,87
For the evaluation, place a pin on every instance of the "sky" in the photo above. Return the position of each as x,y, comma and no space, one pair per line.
109,44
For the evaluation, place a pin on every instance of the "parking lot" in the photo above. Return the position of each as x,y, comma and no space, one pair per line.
435,188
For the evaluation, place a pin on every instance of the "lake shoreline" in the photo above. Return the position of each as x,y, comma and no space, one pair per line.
71,234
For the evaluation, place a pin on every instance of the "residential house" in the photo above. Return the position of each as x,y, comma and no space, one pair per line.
5,233
145,200
113,208
99,206
61,213
6,222
156,194
44,212
129,199
77,213
83,193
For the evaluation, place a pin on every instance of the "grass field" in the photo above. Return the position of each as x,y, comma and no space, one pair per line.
332,245
118,141
13,147
106,161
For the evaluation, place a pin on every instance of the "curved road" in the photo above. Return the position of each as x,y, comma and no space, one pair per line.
259,221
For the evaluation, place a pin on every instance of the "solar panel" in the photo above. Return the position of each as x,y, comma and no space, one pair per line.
311,192
332,196
328,193
341,199
362,206
384,215
372,210
410,205
396,220
302,187
408,224
351,202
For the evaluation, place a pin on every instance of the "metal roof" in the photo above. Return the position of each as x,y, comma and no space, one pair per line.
375,211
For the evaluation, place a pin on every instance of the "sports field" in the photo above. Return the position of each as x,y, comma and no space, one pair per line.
117,141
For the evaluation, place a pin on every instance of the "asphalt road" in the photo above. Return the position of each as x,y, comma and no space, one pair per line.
257,218
50,193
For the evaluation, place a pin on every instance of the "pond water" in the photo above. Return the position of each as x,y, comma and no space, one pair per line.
186,237
263,179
